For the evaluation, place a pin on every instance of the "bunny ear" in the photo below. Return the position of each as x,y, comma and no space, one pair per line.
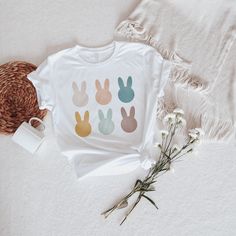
77,116
129,82
83,86
123,112
98,85
132,111
109,114
120,82
75,87
100,114
86,116
106,84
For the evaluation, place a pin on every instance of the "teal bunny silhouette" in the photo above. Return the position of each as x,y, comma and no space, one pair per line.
106,125
126,93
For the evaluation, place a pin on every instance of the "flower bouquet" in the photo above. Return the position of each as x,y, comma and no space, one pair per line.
169,152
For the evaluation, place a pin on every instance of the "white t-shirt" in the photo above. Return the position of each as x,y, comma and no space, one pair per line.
103,103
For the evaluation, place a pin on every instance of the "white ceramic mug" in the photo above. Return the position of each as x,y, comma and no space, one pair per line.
29,137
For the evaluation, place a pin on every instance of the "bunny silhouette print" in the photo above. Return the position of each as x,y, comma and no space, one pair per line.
106,125
103,95
83,127
126,93
80,98
129,123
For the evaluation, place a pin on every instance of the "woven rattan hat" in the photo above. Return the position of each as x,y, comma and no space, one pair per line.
18,98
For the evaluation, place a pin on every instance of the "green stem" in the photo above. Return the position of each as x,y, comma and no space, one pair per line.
116,206
171,136
135,204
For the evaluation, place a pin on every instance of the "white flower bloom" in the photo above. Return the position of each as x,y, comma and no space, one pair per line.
175,148
169,119
178,111
200,131
196,134
193,135
197,141
181,121
157,145
164,133
153,164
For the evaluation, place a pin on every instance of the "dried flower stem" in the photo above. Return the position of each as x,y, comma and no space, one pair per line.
167,156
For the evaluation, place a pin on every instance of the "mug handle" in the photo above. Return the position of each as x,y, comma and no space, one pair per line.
39,120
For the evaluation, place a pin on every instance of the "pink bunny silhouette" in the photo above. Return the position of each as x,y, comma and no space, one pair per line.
129,123
103,95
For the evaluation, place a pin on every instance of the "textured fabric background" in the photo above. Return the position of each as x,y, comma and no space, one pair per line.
40,196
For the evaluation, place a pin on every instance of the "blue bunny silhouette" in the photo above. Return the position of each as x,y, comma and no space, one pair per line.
126,93
106,125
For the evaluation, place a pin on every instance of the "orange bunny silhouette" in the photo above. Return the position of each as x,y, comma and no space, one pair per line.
83,127
103,95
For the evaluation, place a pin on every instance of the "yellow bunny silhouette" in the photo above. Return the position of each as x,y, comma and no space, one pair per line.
83,127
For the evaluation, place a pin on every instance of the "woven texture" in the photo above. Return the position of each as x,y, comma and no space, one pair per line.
18,98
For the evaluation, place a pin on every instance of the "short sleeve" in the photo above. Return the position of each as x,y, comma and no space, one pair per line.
165,76
42,81
160,69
